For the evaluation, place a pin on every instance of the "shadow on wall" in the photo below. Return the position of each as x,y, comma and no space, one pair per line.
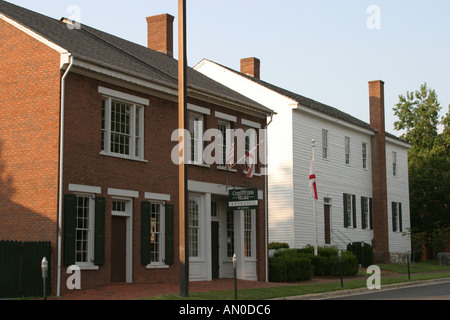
17,222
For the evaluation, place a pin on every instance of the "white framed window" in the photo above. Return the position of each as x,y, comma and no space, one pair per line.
157,231
196,133
364,155
223,142
122,129
365,213
84,230
249,233
397,225
394,164
194,227
347,150
122,124
324,144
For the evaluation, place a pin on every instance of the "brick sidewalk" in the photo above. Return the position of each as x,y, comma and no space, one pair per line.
140,291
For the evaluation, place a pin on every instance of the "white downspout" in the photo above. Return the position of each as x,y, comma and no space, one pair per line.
266,209
61,159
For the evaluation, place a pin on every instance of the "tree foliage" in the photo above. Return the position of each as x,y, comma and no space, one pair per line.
429,161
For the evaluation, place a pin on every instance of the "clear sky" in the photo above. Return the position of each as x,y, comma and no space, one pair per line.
326,50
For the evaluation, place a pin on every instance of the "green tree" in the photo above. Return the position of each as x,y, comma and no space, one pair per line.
429,161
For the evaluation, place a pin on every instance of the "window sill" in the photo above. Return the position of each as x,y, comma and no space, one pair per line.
87,267
120,156
225,169
199,165
157,266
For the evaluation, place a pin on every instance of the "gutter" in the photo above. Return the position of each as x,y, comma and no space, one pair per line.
61,161
266,206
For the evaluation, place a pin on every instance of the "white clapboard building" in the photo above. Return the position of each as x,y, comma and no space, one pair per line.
362,171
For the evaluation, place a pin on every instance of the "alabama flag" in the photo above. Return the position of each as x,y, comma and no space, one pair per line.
312,181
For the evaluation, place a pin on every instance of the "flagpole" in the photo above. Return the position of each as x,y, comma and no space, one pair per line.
182,125
316,250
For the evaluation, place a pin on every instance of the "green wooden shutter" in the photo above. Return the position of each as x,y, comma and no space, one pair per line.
363,216
70,221
354,211
345,211
400,218
99,242
370,214
145,233
170,234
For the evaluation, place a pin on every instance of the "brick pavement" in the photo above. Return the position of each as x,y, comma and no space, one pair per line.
140,291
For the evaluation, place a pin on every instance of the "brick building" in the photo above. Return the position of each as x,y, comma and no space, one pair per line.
86,123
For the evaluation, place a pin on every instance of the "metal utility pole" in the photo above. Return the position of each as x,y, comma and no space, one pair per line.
182,125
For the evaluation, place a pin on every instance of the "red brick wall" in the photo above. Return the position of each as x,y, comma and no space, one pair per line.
29,137
84,165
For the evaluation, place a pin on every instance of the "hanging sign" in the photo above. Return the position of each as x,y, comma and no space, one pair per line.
243,199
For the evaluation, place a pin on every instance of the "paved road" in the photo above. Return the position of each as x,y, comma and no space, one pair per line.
438,291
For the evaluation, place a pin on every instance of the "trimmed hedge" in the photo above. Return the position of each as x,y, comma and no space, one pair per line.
357,250
290,265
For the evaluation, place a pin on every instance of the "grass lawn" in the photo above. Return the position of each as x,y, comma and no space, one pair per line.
335,285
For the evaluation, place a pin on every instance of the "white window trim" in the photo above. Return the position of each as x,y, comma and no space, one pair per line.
224,116
138,105
252,124
199,140
84,189
123,193
227,142
91,234
157,196
162,244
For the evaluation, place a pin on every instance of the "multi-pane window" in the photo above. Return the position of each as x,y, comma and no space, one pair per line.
394,164
325,144
349,210
397,217
365,212
193,228
223,142
156,232
82,229
122,128
364,155
248,233
347,150
196,132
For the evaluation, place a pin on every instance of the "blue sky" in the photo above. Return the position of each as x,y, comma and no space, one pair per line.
321,49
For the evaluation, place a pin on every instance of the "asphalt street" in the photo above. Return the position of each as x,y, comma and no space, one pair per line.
437,291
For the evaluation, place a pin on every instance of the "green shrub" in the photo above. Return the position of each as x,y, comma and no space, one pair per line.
357,250
278,245
289,266
349,265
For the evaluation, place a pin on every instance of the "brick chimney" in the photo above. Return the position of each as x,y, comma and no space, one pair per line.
379,184
160,33
251,67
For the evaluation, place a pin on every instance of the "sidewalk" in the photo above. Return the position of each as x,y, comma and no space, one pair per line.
142,291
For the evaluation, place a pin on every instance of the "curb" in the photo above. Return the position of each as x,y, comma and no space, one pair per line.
343,292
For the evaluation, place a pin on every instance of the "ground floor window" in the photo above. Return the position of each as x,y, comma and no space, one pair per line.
193,227
248,233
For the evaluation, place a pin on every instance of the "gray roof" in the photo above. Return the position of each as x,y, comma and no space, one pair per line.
104,48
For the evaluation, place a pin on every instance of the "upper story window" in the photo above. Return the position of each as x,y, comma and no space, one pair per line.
364,155
325,144
224,142
122,125
347,150
394,164
196,133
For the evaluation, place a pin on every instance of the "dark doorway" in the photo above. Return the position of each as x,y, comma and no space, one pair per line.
118,249
215,249
327,220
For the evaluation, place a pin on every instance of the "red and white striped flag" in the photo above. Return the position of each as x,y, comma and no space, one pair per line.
250,170
230,157
312,181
